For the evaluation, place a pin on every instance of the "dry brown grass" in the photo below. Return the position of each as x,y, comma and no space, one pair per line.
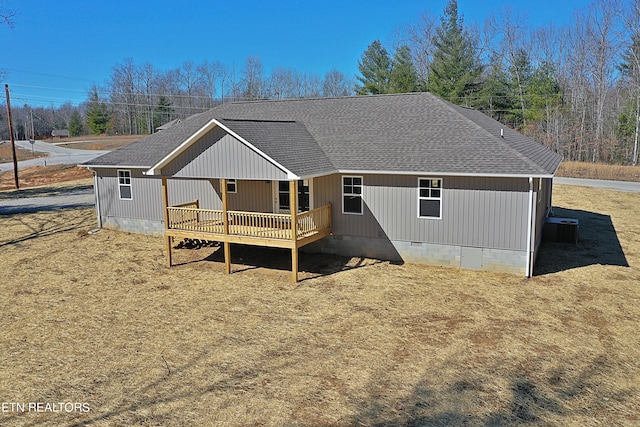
6,154
100,319
599,171
43,175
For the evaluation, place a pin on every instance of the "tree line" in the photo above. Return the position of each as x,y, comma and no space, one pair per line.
138,98
575,89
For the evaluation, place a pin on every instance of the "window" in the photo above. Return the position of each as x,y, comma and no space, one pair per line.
232,186
124,185
430,198
352,195
283,196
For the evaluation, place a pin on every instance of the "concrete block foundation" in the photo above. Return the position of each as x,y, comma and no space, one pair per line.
488,259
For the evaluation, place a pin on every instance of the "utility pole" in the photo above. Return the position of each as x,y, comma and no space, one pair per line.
13,142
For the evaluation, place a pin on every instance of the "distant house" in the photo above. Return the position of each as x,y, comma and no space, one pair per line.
406,177
60,133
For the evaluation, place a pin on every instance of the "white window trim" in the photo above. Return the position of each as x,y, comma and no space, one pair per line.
130,184
430,198
276,196
235,185
342,177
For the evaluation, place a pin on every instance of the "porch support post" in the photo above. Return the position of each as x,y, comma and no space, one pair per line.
225,226
293,204
165,205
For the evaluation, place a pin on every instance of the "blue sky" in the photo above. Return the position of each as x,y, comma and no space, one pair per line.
58,49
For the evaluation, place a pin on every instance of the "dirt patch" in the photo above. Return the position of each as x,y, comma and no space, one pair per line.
6,155
100,319
43,175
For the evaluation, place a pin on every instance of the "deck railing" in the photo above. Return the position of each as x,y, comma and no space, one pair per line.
251,224
314,220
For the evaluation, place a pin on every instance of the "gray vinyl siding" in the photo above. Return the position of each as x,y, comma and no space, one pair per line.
252,196
220,155
476,212
146,202
543,206
146,196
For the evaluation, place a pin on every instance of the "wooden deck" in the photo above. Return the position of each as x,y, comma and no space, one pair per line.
253,228
290,231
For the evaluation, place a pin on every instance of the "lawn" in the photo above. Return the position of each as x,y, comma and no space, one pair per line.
99,320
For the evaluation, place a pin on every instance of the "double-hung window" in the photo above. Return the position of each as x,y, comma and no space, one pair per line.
352,195
124,184
430,198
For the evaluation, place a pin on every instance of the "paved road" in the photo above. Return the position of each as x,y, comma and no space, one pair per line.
600,183
81,198
33,200
57,156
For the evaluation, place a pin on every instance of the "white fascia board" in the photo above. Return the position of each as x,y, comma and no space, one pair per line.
433,173
113,167
206,128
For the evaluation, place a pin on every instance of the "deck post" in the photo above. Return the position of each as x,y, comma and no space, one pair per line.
293,204
165,205
225,226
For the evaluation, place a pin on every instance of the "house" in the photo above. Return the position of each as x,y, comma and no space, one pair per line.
60,133
406,177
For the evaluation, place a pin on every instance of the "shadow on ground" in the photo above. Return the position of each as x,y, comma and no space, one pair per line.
46,192
598,243
246,257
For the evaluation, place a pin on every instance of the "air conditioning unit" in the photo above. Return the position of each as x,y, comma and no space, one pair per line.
561,230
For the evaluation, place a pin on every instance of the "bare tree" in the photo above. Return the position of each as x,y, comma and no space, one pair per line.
210,74
602,43
419,37
309,85
282,83
189,79
631,70
6,14
252,79
336,84
124,92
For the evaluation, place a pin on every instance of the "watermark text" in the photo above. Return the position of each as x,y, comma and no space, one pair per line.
53,407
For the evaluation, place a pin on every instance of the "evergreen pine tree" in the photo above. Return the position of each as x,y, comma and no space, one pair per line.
495,98
375,67
455,69
97,116
75,124
403,77
162,112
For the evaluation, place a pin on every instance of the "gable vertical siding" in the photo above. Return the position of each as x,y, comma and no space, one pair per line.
220,155
477,212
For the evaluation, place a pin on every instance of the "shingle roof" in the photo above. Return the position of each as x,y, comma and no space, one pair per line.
148,151
284,141
385,133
